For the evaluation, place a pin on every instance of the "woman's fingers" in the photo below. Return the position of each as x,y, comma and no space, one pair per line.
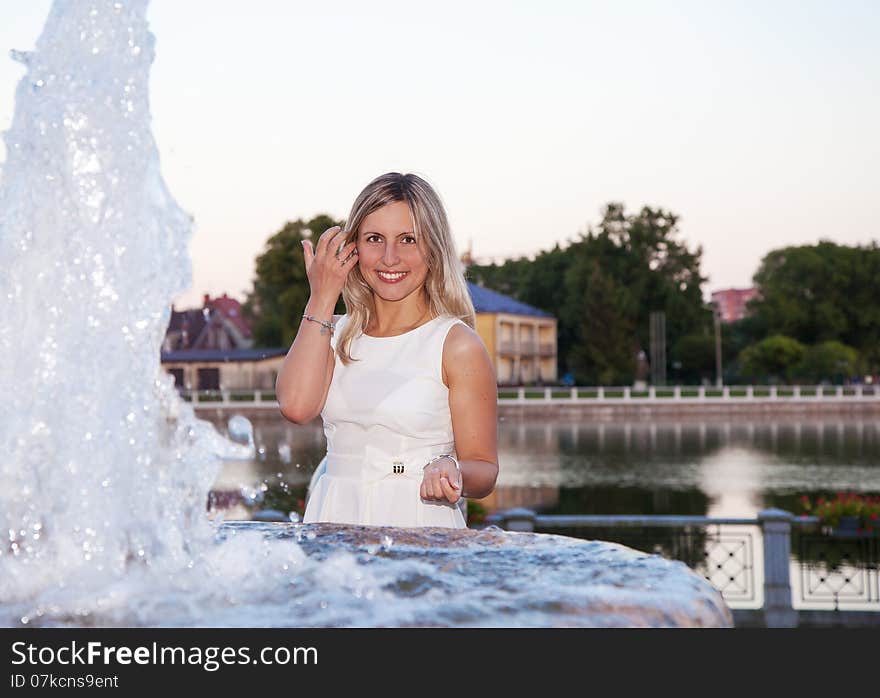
348,264
448,491
343,260
438,487
326,239
429,488
347,251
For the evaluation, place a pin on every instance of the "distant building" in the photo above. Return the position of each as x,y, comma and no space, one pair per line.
224,369
520,338
218,324
732,302
210,348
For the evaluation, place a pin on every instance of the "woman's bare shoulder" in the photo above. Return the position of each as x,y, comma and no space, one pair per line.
463,352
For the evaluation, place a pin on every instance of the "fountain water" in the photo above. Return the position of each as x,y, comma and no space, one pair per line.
105,472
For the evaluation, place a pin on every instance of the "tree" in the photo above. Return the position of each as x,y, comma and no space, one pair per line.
651,269
643,266
774,358
823,292
605,351
828,361
281,286
695,353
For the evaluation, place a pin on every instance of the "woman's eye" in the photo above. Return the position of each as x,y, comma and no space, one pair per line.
410,237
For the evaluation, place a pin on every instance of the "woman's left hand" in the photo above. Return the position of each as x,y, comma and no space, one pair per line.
441,482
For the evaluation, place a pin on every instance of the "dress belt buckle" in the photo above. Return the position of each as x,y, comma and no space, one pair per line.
397,466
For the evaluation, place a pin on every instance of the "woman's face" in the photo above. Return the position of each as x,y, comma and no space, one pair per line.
386,242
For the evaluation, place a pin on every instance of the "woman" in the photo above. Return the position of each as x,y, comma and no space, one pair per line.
404,384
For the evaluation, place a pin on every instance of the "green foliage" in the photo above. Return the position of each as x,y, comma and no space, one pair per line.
771,359
603,287
736,336
696,354
281,286
828,361
606,353
823,292
476,512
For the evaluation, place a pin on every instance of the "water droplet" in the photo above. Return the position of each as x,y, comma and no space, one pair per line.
23,57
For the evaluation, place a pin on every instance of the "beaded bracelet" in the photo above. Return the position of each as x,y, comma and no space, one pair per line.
328,325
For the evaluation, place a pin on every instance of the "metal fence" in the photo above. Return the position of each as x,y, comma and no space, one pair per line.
749,561
599,395
556,395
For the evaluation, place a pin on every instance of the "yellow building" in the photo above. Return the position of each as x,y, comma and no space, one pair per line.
520,338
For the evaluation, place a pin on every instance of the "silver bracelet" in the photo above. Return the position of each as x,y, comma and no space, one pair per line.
328,325
453,459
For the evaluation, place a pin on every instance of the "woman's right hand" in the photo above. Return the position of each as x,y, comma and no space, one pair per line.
325,269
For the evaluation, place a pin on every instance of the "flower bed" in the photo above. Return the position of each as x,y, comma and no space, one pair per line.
845,512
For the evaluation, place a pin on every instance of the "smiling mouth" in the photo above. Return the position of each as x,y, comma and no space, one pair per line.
391,278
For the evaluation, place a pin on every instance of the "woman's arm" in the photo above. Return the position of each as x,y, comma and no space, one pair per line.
306,372
304,379
473,403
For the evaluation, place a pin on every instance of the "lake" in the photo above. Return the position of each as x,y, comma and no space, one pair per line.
730,466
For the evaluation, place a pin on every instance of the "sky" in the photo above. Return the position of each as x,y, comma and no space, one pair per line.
755,122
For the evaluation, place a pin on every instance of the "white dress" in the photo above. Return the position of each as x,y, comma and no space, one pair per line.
384,418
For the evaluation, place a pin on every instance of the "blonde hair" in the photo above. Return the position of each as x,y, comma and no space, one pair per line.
445,285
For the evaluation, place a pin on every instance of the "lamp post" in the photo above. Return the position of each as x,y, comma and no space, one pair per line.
716,312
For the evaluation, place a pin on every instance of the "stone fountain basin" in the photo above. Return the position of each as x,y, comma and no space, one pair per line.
495,578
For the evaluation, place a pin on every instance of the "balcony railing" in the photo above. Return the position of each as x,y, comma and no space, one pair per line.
792,561
528,348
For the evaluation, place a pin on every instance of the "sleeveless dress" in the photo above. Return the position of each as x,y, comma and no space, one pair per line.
385,417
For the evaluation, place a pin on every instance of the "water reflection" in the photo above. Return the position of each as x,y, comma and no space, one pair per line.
713,466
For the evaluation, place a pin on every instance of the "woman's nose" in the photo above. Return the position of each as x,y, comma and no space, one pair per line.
390,258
